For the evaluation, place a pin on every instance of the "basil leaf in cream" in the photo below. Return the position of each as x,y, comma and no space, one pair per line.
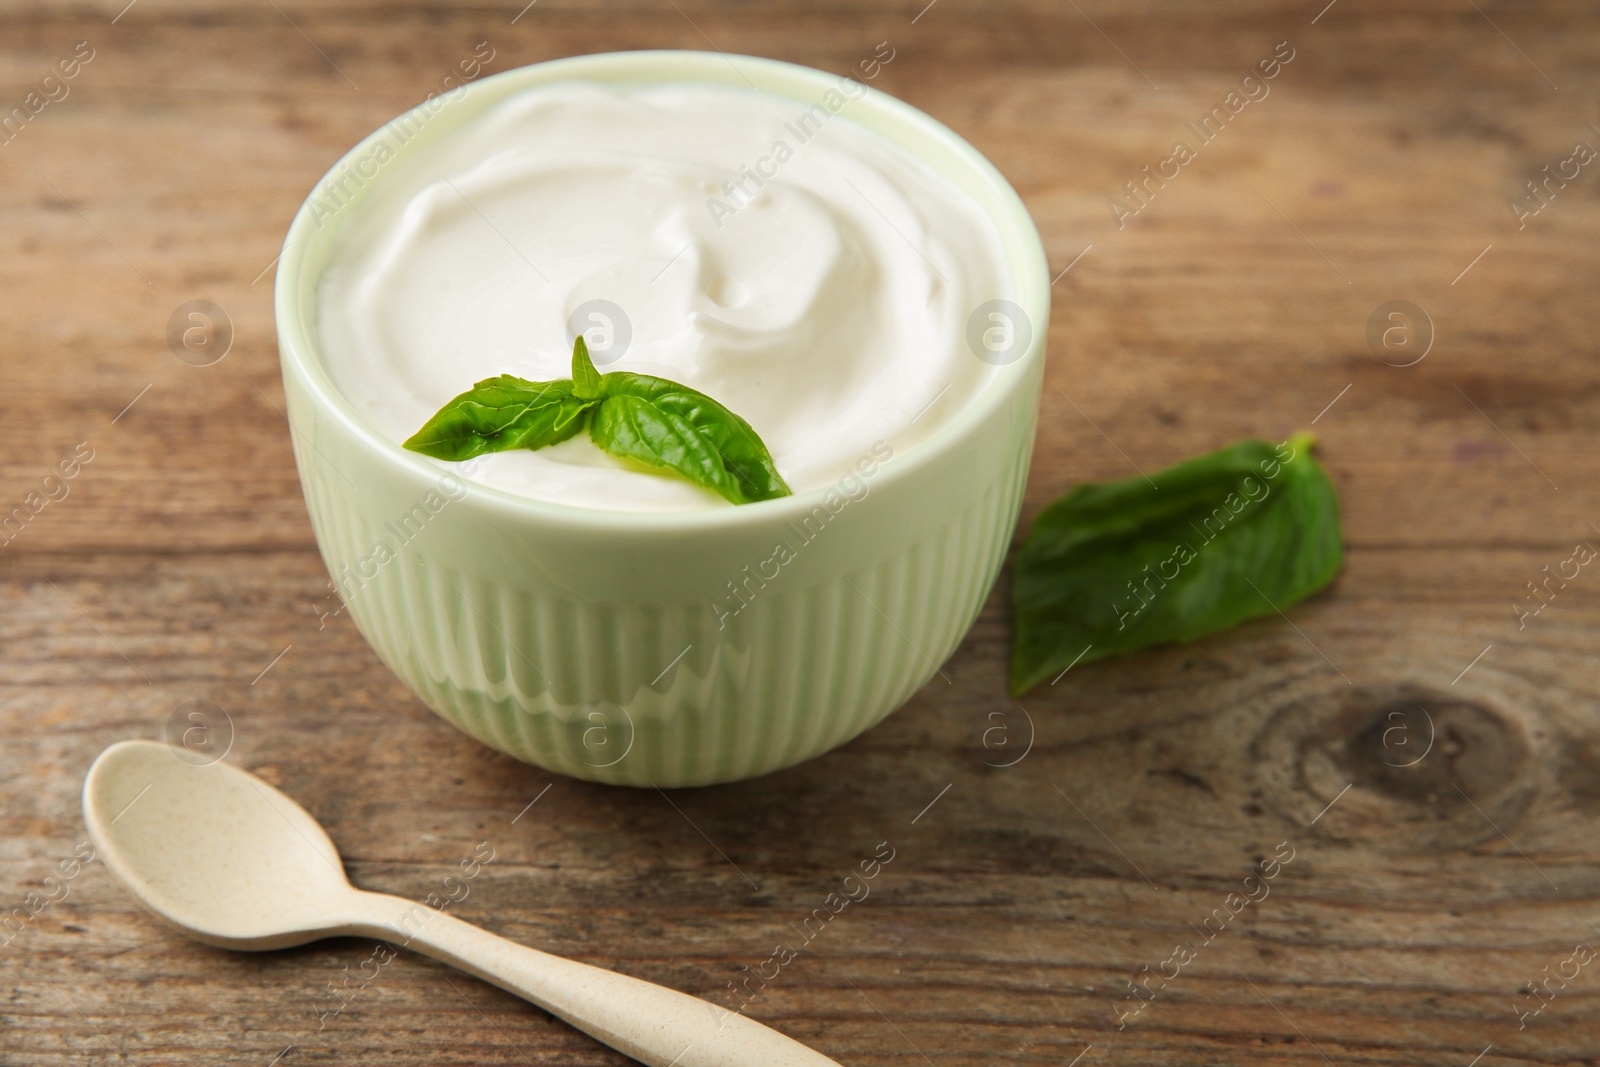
652,421
499,414
585,379
664,424
1116,566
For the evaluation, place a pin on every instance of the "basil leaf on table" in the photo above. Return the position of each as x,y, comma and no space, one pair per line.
502,413
653,421
1116,566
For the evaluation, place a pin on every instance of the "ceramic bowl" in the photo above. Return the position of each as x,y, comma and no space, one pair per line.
680,648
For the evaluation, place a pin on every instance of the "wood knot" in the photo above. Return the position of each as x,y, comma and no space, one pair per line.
1398,765
1429,749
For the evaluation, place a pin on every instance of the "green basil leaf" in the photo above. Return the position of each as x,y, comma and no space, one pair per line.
500,414
1117,566
650,420
664,424
585,379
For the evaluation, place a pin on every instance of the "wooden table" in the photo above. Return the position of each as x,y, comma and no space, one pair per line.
1430,886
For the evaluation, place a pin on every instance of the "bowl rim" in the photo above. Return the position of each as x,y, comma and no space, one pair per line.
299,358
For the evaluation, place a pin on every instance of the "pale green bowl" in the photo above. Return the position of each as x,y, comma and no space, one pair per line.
600,644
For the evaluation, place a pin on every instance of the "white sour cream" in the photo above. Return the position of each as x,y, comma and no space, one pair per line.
800,269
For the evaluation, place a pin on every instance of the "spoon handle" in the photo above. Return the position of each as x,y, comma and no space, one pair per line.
655,1025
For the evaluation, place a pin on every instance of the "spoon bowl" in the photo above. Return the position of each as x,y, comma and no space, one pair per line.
213,850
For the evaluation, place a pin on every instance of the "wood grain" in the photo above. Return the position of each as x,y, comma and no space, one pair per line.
1421,901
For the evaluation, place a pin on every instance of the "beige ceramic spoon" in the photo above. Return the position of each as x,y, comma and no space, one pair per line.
232,862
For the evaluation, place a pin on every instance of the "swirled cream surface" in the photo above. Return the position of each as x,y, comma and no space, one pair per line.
802,270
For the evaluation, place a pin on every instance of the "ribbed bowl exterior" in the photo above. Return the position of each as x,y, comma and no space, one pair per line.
681,649
623,659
